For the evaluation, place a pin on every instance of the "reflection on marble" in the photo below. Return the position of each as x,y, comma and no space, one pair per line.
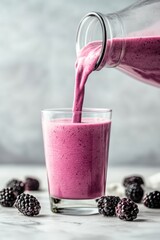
47,225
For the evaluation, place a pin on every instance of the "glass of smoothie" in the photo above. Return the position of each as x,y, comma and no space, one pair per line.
76,157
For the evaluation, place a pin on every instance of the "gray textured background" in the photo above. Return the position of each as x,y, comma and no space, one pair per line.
37,55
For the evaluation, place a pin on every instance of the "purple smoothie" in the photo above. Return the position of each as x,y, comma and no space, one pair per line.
141,58
76,157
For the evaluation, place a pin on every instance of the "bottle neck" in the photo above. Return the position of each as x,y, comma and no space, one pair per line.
105,29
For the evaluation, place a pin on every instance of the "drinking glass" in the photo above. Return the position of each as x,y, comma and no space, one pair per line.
76,156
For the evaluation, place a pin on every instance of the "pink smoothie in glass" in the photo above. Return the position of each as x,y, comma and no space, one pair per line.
76,157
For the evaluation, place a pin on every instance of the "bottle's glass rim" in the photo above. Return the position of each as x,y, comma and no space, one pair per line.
101,20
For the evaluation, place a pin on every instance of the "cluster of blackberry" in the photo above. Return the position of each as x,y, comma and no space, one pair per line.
13,195
135,192
126,208
123,208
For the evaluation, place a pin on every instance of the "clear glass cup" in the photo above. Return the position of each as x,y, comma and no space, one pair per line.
76,157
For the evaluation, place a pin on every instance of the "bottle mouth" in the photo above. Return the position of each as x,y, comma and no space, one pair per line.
85,34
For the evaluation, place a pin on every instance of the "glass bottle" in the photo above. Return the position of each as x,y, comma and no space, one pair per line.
129,39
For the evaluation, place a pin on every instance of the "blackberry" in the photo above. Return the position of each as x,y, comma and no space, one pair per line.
27,204
56,200
7,197
133,179
17,186
106,205
31,184
152,200
127,210
134,192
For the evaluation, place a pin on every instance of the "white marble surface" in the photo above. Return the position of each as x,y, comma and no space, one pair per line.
48,226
